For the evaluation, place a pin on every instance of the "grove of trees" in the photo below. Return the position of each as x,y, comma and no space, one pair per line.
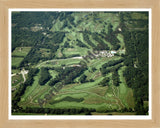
44,76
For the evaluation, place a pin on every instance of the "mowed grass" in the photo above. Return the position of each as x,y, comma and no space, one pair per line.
126,94
21,51
18,55
15,71
65,104
98,62
76,50
57,25
58,62
53,73
16,61
120,38
136,15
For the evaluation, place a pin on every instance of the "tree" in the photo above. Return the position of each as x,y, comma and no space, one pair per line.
83,78
105,81
45,76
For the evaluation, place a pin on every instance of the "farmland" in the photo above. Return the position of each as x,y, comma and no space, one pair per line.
18,55
79,63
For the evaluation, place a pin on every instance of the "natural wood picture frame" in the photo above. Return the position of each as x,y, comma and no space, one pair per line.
4,32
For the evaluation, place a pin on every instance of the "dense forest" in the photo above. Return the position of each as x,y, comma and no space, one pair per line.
136,60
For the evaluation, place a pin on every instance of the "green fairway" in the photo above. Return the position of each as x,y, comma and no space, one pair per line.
120,38
126,94
59,62
21,51
16,61
15,71
75,51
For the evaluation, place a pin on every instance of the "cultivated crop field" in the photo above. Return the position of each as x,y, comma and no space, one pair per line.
79,63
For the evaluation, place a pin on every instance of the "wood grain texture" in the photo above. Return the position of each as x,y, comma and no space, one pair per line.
6,4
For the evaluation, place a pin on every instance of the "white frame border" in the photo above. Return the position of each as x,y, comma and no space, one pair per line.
68,117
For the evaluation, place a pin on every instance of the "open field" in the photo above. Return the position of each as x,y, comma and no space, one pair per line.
15,71
21,51
16,61
75,51
59,62
18,55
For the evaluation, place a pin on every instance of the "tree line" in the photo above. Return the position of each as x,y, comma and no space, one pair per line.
67,75
58,111
136,60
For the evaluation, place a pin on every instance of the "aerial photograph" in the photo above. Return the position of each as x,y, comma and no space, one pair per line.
79,63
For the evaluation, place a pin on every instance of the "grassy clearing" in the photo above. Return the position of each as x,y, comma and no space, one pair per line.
99,90
95,75
58,62
115,25
85,86
56,27
68,99
65,104
53,73
139,16
15,71
126,94
97,63
120,38
16,61
62,94
69,61
59,53
93,99
74,51
21,51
